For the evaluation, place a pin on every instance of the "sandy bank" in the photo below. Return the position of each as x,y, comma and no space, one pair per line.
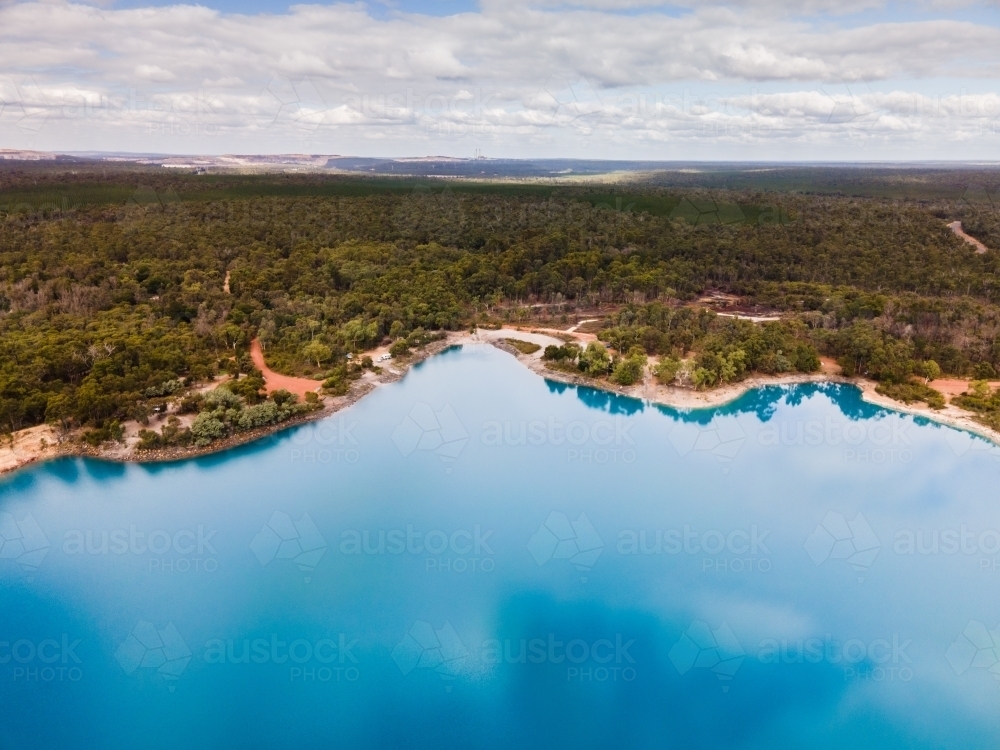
44,441
688,398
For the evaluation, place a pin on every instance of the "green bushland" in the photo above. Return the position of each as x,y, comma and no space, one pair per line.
111,278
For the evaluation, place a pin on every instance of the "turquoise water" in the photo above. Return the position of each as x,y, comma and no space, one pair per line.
475,557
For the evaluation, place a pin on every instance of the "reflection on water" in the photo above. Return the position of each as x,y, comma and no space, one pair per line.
479,557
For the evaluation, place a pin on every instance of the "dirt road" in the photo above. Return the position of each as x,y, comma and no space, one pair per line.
274,381
956,227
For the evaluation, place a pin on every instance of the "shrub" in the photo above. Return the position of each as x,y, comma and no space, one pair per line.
222,396
282,397
337,382
207,428
163,389
400,348
317,352
928,369
912,391
806,358
109,431
260,415
191,404
984,371
148,440
251,387
172,434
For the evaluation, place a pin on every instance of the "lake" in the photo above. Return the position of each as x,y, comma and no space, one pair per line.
477,557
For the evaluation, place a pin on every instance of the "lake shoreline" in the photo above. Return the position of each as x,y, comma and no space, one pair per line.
43,442
688,399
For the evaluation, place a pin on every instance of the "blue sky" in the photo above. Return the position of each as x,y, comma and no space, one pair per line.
380,10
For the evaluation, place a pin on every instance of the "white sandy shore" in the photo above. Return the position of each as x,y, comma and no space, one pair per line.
44,441
688,398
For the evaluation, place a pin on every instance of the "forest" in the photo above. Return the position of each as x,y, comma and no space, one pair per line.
113,278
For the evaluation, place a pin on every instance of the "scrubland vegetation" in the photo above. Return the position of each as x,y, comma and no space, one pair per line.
112,296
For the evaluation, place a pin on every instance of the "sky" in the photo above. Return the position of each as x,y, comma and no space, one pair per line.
750,80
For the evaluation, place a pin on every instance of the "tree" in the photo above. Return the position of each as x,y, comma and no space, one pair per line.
928,369
360,334
594,360
317,352
59,410
666,371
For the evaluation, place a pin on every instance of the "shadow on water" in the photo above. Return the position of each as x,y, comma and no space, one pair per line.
763,403
612,403
65,470
17,482
103,470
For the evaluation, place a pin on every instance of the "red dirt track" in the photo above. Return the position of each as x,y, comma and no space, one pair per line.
274,381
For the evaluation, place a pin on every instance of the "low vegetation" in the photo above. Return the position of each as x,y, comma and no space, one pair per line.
224,412
525,347
983,401
912,391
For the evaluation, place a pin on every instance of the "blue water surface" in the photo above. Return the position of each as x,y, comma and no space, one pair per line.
477,557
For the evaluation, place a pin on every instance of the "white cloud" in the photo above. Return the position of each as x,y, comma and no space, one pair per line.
154,73
327,72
